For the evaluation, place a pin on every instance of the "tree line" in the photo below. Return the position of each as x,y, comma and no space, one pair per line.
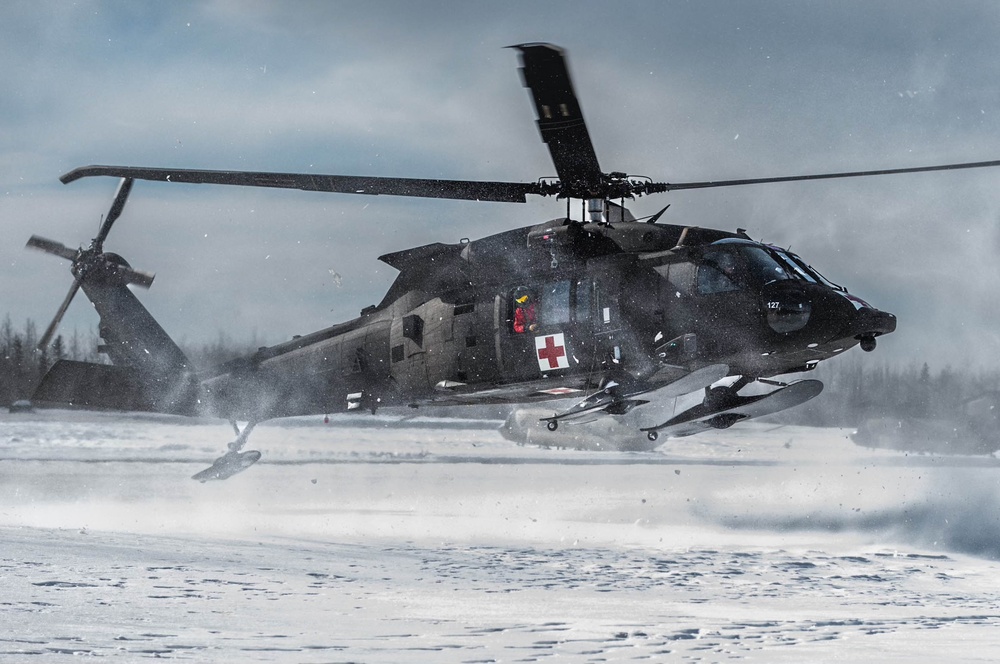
856,387
22,364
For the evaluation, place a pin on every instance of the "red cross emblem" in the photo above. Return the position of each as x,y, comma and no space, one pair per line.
551,351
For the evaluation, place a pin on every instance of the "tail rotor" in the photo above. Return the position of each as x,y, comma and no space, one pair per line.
92,262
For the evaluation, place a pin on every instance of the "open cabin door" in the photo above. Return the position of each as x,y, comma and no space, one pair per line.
544,329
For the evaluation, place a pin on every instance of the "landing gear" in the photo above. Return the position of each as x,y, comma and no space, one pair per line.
724,397
552,425
241,436
652,436
233,461
724,420
723,407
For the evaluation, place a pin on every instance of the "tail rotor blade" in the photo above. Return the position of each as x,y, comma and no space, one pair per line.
116,209
51,330
138,277
51,247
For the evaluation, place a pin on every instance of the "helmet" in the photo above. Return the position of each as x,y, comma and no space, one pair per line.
522,294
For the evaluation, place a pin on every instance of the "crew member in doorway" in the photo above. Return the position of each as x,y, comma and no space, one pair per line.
524,311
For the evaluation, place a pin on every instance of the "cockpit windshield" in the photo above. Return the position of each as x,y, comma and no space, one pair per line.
733,264
796,265
729,265
808,272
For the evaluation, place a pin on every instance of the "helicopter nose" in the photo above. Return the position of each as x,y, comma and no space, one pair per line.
868,323
852,319
823,315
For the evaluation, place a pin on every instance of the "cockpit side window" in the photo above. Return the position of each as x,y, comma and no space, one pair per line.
737,266
717,272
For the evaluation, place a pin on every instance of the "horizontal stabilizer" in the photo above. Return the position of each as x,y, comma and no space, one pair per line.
108,387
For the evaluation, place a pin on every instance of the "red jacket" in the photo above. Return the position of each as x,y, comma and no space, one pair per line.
524,317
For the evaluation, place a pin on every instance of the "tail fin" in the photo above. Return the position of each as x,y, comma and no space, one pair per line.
131,335
150,372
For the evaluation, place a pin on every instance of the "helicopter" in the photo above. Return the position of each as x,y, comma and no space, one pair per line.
608,314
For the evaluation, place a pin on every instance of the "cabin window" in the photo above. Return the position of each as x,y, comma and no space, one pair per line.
555,303
397,353
582,304
359,363
413,329
551,304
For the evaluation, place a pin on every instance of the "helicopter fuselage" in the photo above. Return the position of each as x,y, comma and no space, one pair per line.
614,313
631,302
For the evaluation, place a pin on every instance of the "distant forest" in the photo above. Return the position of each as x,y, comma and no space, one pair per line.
22,365
856,386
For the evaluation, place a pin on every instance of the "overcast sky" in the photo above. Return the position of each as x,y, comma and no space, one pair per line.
678,91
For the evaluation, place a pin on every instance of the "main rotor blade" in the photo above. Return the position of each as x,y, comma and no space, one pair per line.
115,211
560,119
508,192
825,176
51,247
51,329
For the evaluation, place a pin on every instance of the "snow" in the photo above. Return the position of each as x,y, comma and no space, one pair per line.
409,541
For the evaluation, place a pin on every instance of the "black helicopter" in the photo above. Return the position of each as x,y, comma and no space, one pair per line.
610,313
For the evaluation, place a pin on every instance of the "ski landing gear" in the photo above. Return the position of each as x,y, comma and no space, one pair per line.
233,461
723,407
616,399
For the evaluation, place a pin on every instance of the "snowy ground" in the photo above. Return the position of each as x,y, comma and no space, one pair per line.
419,543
